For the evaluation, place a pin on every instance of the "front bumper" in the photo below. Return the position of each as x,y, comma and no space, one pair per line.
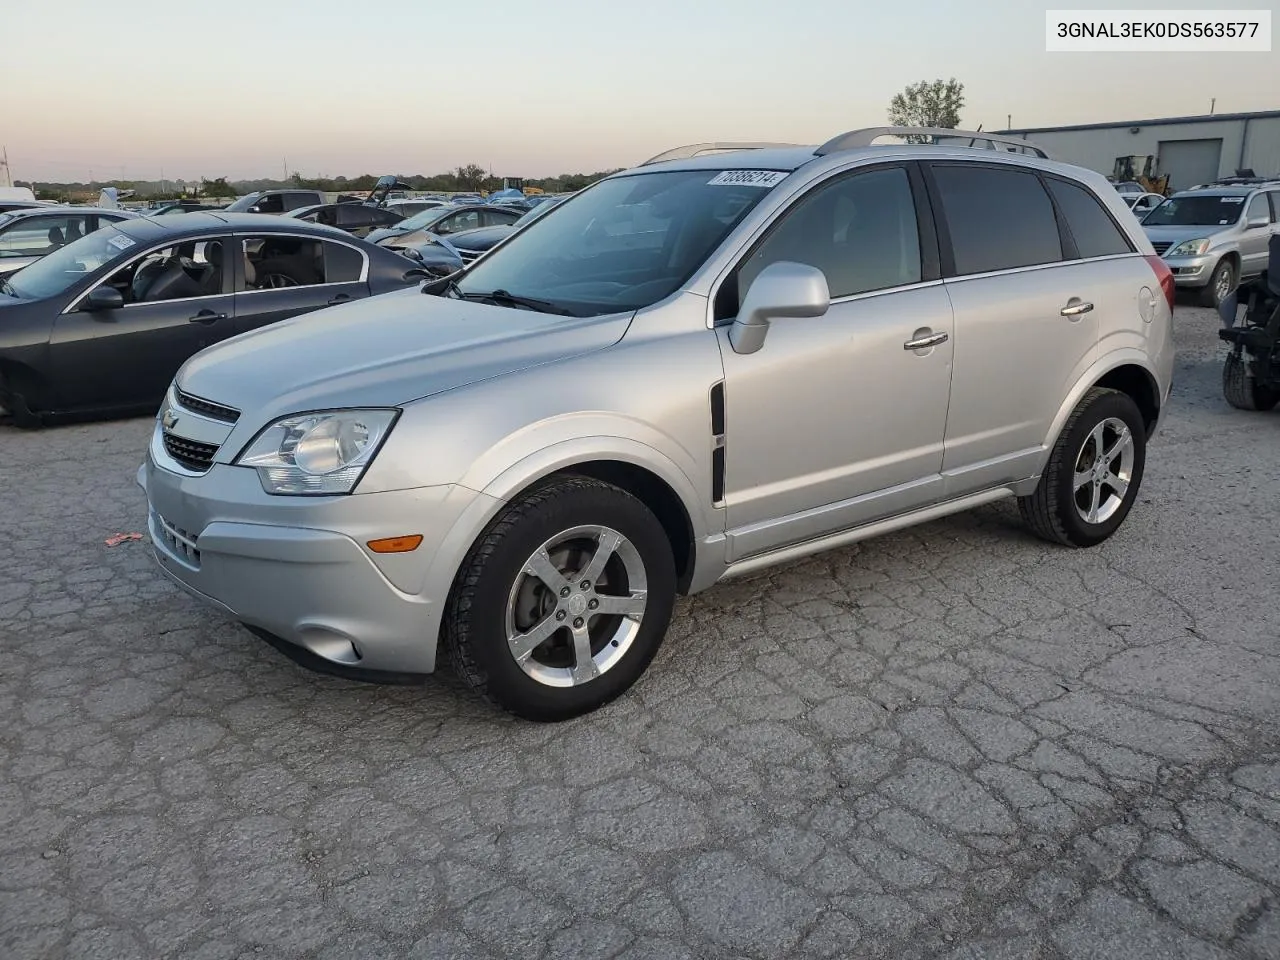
298,568
1192,271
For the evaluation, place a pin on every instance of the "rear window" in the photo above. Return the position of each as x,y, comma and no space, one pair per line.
1095,233
998,219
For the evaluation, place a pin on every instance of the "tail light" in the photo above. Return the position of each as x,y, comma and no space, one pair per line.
1165,276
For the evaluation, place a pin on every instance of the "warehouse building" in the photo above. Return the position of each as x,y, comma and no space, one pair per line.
1190,150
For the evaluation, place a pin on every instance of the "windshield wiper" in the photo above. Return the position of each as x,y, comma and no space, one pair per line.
503,298
7,287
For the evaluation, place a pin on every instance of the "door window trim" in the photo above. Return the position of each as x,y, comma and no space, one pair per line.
926,233
240,236
71,307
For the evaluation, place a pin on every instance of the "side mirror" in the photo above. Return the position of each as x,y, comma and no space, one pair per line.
782,289
102,298
1257,222
254,209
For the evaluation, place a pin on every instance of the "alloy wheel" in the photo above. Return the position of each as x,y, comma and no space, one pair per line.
1103,471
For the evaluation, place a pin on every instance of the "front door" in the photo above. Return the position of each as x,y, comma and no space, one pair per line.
1254,240
177,302
836,421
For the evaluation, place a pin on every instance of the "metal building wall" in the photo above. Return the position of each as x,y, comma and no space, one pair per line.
1253,142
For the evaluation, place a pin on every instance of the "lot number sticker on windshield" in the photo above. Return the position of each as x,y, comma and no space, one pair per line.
747,178
121,242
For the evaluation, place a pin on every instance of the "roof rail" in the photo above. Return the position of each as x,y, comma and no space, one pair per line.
690,150
866,136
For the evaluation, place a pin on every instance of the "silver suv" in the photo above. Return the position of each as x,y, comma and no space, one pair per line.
715,362
1214,237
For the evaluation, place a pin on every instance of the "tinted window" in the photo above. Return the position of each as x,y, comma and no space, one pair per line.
37,236
998,219
341,263
1275,205
295,201
859,230
1095,233
271,203
1258,208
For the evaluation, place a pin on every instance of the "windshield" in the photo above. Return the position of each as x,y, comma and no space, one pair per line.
243,204
426,217
622,244
1197,211
55,273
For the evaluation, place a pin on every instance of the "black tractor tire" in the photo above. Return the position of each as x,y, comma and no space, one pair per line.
1241,390
1050,512
1210,295
475,630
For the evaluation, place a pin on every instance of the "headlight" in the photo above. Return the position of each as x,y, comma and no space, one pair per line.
1189,248
317,453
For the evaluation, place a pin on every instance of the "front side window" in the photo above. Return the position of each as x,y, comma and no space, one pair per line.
468,220
1095,233
176,272
999,219
623,243
277,261
1258,208
1200,210
860,231
38,236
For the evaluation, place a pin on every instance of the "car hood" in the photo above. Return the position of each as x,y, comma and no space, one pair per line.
1177,234
482,238
383,351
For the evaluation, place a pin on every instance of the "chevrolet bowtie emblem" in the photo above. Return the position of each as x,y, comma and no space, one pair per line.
169,419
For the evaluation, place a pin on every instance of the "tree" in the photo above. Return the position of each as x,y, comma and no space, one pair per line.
216,188
472,176
925,104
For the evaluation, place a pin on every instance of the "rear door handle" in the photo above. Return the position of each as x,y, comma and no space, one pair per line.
206,316
1075,307
925,341
340,298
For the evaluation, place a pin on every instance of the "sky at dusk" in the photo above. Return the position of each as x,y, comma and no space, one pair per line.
140,89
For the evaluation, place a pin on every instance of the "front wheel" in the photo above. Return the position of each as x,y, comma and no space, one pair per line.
563,601
1221,283
1241,390
1093,473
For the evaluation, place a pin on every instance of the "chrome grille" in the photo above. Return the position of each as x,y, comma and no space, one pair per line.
468,255
214,411
190,453
1162,246
179,542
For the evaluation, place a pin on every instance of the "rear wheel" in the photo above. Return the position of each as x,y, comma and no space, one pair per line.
1240,388
1221,282
1093,473
563,602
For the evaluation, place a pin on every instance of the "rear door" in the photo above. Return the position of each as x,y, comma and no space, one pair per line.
283,275
177,302
1029,309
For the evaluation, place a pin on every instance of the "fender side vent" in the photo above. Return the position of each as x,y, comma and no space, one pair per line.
717,444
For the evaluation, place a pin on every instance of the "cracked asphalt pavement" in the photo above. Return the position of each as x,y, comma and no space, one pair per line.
953,742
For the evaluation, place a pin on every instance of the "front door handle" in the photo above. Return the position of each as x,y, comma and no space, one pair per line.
206,316
1075,307
924,341
340,298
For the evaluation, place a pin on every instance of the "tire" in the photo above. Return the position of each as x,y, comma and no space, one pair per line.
495,597
1241,390
1221,282
1057,511
17,391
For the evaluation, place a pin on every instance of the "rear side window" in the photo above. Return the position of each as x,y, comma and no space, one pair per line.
998,219
1095,233
341,263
